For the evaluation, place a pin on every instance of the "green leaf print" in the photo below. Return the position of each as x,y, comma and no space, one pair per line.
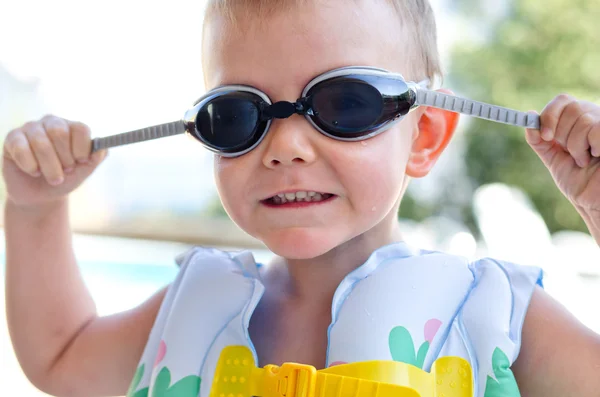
186,387
161,383
402,348
139,373
505,384
141,393
421,354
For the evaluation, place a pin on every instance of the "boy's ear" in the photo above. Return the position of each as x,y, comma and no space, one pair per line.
435,129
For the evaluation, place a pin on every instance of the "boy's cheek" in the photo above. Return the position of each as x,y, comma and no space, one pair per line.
222,164
386,153
232,175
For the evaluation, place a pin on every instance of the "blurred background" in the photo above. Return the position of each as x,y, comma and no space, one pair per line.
119,66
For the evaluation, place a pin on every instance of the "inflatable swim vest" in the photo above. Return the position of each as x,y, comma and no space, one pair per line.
405,305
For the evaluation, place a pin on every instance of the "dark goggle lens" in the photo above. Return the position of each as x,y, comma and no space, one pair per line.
346,107
230,122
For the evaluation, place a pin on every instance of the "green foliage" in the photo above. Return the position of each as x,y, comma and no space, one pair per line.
414,209
214,209
540,49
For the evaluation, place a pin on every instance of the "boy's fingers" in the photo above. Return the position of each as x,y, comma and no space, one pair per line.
578,146
551,115
58,132
594,140
534,136
81,142
44,152
550,152
18,150
570,115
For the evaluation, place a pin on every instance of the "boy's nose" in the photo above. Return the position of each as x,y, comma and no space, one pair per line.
289,142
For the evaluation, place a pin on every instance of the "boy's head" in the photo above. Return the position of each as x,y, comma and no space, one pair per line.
278,47
413,35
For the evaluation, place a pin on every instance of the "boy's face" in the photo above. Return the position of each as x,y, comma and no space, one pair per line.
280,56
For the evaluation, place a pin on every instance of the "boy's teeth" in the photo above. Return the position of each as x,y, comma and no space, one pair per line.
302,196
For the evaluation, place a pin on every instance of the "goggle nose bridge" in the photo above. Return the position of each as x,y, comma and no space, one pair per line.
285,109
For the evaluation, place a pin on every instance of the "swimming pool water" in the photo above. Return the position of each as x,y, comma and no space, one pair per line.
122,273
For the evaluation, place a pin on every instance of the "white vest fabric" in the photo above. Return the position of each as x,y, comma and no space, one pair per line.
402,304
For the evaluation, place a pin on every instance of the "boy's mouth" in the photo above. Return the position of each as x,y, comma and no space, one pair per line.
298,197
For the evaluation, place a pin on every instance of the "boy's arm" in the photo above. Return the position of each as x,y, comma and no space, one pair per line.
569,146
559,356
64,348
593,223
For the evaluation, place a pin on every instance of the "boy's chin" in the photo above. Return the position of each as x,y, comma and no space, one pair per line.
301,245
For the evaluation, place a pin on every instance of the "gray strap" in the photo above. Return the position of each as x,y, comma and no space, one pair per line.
477,109
145,134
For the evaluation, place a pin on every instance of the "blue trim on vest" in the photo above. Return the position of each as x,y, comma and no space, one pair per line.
470,351
512,296
216,337
391,251
455,315
255,279
242,311
467,338
247,323
517,339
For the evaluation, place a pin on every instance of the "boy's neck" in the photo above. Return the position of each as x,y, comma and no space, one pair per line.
314,281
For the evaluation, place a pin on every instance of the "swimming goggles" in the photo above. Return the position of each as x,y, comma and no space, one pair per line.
346,104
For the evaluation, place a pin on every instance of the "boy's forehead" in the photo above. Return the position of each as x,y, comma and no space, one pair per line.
292,47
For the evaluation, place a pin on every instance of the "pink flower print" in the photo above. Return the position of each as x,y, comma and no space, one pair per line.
162,350
431,328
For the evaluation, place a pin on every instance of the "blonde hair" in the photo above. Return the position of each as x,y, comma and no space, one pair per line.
416,15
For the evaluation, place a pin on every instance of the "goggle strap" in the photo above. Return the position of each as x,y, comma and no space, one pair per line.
480,110
144,134
425,97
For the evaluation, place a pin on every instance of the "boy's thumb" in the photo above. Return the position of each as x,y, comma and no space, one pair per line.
84,170
548,151
99,156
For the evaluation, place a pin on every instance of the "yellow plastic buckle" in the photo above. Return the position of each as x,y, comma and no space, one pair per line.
237,376
290,380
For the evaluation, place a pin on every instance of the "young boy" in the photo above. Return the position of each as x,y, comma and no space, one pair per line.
278,47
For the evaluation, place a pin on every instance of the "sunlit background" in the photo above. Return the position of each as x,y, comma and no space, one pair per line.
123,65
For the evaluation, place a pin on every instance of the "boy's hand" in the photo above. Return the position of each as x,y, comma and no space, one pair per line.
569,145
45,160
